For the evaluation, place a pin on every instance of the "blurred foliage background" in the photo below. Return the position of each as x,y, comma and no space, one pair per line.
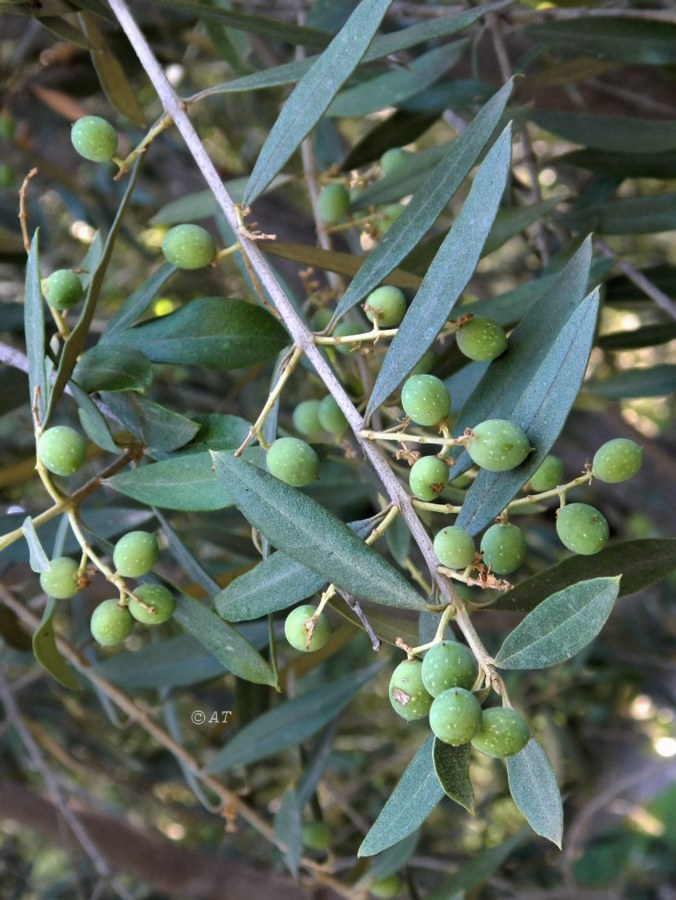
606,718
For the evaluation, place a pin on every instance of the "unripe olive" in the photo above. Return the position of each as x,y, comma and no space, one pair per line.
498,445
135,554
292,461
503,732
156,596
333,203
297,633
504,548
425,399
60,580
316,836
389,215
454,547
428,477
447,665
63,289
386,306
455,716
345,329
61,450
306,418
617,460
94,138
188,247
385,888
408,695
331,416
481,339
110,623
549,475
392,159
582,528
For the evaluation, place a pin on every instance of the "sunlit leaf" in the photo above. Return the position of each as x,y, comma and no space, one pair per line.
533,787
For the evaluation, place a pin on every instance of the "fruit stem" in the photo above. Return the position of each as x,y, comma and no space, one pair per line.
560,491
226,251
374,335
446,617
124,164
287,370
402,436
446,508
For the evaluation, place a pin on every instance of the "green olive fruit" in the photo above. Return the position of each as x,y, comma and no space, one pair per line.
321,318
454,547
386,306
385,888
157,597
582,528
498,445
60,580
503,732
331,416
392,159
425,399
503,548
428,477
333,203
306,418
110,623
316,836
549,475
188,247
481,339
455,716
408,695
617,460
63,289
94,138
135,554
448,665
389,215
345,329
292,461
296,629
61,450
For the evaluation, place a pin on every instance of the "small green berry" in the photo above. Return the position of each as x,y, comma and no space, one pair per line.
331,416
386,306
448,665
428,477
110,623
617,460
135,554
345,329
292,461
306,418
498,445
155,596
392,159
321,318
384,888
316,836
549,475
94,138
188,247
388,216
425,399
504,548
582,528
408,695
63,289
503,732
455,716
333,203
61,450
454,547
296,629
481,339
60,580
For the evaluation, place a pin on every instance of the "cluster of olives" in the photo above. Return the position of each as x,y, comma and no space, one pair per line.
440,686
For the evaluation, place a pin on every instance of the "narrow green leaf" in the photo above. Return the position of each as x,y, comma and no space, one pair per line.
185,482
629,215
92,420
335,261
312,535
393,87
288,824
96,262
275,583
225,643
625,40
533,787
108,367
512,221
176,662
314,92
560,626
47,653
136,304
159,428
427,203
112,77
449,273
626,165
413,799
478,869
290,723
220,431
533,384
654,381
452,767
190,565
213,332
394,858
611,133
266,26
34,327
640,563
646,336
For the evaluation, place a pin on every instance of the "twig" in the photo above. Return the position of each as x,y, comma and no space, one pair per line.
22,209
644,284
